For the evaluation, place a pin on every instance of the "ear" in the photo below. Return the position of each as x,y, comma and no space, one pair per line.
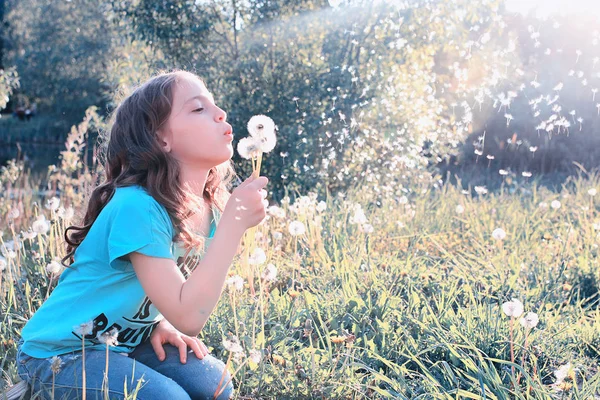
164,140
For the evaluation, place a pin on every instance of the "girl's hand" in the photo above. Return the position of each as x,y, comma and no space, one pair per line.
245,203
166,333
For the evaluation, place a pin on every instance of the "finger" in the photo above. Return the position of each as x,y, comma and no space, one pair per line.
194,343
158,348
206,352
259,183
182,346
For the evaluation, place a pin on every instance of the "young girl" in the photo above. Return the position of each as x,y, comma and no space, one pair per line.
131,277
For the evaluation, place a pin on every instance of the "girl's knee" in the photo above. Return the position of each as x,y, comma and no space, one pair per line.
211,378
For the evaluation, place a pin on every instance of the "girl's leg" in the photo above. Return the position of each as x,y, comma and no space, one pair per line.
122,372
199,378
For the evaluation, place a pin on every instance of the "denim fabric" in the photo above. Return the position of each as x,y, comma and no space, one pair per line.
168,379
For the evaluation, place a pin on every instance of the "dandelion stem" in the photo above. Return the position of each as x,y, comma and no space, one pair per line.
512,347
218,391
83,363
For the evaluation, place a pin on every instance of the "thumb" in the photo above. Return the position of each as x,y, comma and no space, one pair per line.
259,182
246,182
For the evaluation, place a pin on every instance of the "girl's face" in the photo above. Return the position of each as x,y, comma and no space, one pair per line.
195,133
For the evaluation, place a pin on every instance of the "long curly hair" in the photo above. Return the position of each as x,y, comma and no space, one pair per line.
133,155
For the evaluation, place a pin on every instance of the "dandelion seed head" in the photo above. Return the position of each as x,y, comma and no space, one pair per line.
513,308
235,282
296,228
530,320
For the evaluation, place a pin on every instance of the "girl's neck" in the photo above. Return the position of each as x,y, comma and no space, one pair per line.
194,177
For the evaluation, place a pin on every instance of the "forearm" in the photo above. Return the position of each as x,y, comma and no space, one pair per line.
202,290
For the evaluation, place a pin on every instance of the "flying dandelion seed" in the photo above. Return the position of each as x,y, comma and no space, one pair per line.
513,308
481,190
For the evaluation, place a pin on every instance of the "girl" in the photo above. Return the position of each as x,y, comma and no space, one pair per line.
131,284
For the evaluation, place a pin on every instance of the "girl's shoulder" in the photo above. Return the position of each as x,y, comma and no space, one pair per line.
135,199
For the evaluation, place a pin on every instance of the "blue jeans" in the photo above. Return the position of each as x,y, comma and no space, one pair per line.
168,379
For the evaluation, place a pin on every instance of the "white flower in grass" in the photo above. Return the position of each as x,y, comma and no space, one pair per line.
52,203
53,267
403,200
276,211
56,364
530,320
14,213
543,205
499,234
255,356
29,234
592,192
366,228
257,257
296,228
248,147
69,213
359,216
84,329
3,263
555,204
41,225
513,308
562,373
232,343
460,209
235,282
60,212
8,250
262,129
109,338
321,206
270,273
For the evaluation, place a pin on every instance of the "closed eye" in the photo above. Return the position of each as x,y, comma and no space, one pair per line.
199,109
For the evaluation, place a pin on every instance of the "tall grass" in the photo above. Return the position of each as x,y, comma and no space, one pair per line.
411,309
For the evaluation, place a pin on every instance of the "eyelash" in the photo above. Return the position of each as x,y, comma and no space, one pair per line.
198,109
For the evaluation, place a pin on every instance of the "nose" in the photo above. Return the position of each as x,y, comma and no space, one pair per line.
221,115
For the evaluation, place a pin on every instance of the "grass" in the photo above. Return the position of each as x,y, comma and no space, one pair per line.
410,310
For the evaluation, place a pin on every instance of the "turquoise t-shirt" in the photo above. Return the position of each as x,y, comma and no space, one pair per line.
102,286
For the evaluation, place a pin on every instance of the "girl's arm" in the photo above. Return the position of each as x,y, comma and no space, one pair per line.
188,304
